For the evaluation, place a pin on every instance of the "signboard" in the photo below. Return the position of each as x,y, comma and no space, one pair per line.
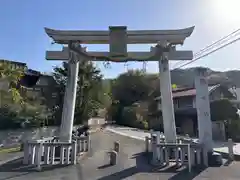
118,41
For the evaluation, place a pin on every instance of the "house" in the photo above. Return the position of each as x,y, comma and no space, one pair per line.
45,90
36,85
184,101
14,64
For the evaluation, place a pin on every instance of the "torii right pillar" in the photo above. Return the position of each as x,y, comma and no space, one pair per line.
203,112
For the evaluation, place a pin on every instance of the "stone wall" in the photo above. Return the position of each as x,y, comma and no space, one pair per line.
11,137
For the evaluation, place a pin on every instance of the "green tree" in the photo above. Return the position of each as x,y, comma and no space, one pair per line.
128,88
9,79
222,110
88,90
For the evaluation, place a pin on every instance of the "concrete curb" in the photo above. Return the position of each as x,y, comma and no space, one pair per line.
226,156
94,131
124,134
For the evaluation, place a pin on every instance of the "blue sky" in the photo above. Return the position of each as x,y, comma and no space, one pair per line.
22,36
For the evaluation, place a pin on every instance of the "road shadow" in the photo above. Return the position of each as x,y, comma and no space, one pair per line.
104,166
18,166
227,163
143,166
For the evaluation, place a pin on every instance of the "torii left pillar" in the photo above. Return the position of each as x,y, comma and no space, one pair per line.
69,99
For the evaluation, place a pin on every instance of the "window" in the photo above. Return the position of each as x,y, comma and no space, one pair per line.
54,95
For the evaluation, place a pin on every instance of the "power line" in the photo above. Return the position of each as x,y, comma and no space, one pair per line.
217,42
195,59
220,41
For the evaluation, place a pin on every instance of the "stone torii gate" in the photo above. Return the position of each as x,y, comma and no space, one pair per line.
118,38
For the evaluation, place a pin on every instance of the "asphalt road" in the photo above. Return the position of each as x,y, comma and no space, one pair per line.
131,165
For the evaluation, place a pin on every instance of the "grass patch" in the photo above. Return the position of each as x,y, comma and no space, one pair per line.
10,150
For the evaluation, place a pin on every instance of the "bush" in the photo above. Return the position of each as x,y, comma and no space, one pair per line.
129,117
223,110
145,124
234,129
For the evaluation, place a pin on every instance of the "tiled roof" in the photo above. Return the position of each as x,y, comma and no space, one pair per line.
188,91
13,62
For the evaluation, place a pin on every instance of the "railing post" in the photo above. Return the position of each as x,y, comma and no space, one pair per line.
85,144
62,154
177,155
146,144
182,155
38,155
230,150
154,150
74,153
189,158
89,142
46,153
82,145
32,153
158,142
198,156
167,155
78,145
192,156
151,137
68,155
52,153
26,149
161,155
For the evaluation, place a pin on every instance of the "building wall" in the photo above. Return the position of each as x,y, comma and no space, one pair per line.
217,94
46,89
183,102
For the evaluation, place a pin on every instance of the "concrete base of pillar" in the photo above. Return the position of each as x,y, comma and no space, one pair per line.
215,159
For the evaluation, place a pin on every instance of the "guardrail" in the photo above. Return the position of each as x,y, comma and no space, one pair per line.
49,151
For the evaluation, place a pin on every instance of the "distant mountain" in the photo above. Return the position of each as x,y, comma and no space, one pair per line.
185,77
